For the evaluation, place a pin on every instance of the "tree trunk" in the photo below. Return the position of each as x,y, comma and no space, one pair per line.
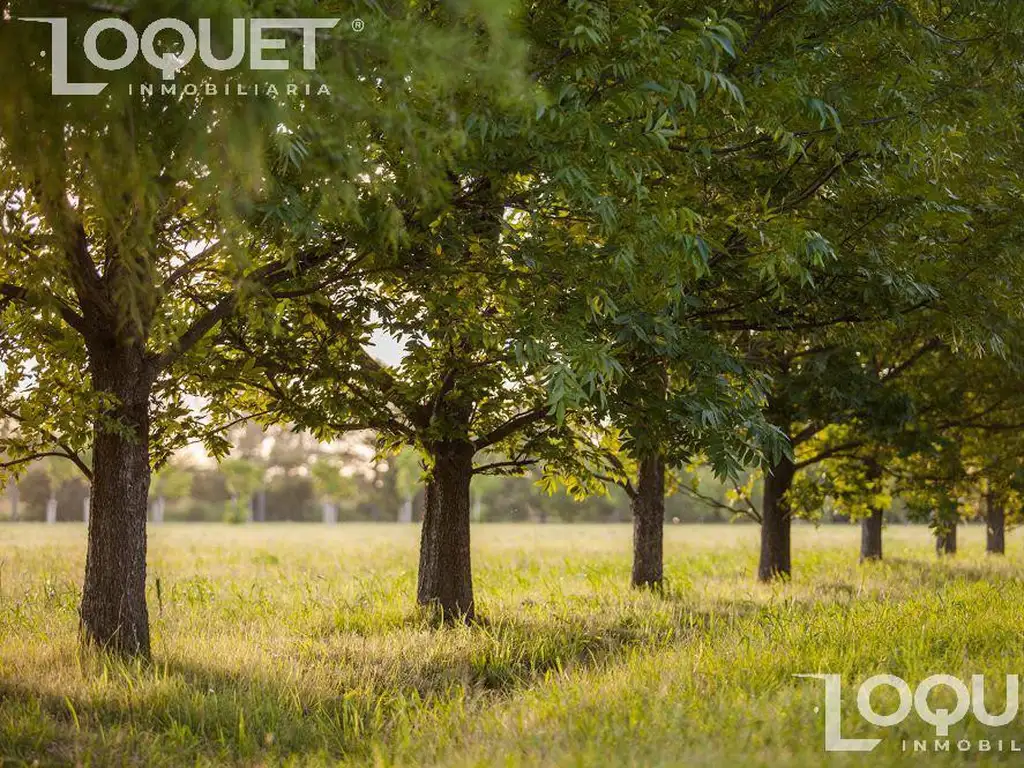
995,524
776,521
871,536
648,505
330,513
945,541
871,526
405,512
259,506
159,506
113,612
445,574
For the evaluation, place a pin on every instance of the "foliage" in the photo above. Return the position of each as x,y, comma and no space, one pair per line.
142,223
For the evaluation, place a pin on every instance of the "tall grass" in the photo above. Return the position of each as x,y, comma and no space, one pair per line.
300,645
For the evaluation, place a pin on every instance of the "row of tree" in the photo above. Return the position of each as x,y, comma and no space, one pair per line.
611,239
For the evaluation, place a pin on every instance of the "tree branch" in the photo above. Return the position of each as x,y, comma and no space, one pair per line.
712,501
510,427
828,453
72,457
15,293
912,360
519,464
626,485
198,330
267,276
65,451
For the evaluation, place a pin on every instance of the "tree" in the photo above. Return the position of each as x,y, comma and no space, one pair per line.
172,481
553,214
706,411
556,205
15,498
868,199
331,483
407,468
244,477
969,414
816,197
992,448
59,473
133,226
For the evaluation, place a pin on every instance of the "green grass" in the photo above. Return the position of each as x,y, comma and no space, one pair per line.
299,645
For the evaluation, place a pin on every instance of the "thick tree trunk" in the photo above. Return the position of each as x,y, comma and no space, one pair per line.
445,575
945,541
776,521
648,506
871,536
995,524
113,612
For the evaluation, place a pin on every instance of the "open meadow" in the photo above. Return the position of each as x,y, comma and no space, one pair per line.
302,645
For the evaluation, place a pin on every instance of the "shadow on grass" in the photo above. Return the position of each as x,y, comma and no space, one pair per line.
940,571
174,712
349,690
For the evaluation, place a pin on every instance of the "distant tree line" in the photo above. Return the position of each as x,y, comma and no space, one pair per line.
188,492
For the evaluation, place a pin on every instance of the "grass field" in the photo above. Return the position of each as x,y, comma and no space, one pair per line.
300,645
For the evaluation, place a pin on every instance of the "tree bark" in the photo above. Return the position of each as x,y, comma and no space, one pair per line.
445,575
776,521
648,506
945,541
995,524
871,536
113,612
871,526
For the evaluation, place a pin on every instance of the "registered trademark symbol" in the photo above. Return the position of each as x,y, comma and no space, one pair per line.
358,25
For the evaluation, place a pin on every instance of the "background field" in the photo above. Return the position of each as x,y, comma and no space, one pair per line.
300,645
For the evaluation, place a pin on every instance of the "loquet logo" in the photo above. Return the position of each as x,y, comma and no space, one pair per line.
245,34
967,699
